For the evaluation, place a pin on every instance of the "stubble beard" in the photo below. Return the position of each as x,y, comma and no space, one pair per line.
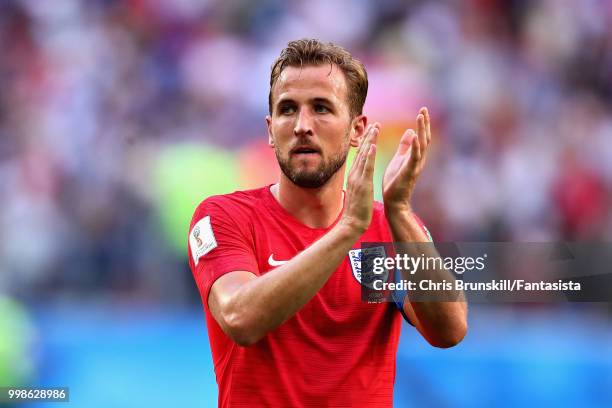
313,178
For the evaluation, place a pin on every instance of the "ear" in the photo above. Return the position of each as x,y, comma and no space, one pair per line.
358,126
269,127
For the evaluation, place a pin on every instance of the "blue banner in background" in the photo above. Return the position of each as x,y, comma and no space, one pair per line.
160,359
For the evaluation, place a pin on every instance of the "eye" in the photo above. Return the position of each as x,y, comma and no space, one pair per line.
286,109
318,108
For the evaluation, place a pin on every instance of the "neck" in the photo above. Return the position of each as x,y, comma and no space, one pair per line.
314,207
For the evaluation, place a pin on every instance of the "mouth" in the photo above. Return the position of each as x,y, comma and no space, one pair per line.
304,151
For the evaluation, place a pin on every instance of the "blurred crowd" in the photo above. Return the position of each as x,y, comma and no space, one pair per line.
92,93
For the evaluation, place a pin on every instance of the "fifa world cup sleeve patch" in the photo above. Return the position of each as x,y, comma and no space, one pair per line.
202,239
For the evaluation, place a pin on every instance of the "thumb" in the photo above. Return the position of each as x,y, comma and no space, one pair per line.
405,142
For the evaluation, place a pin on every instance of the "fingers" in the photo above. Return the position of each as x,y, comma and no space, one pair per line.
425,112
360,186
361,145
416,151
368,170
405,142
358,157
364,149
362,140
421,131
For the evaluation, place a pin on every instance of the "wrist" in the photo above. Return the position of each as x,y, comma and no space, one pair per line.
402,209
350,229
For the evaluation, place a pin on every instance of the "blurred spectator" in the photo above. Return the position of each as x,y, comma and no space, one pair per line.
94,96
17,338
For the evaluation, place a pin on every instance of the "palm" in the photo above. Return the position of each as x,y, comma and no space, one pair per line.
407,163
393,187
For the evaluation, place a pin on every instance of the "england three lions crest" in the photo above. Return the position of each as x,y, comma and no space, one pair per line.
362,265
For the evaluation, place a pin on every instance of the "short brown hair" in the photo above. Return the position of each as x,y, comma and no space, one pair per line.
305,52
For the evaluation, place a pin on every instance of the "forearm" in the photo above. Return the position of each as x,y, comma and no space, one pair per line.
249,307
263,303
442,323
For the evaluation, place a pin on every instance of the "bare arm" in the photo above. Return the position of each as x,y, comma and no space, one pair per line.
247,307
442,324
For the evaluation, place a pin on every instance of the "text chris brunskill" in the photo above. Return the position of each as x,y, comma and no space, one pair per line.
500,285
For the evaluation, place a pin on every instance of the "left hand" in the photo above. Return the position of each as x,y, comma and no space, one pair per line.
407,163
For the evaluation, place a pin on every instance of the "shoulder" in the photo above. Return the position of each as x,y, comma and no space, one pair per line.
240,197
223,219
232,212
234,204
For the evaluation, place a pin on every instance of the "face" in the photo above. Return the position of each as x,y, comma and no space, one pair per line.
311,128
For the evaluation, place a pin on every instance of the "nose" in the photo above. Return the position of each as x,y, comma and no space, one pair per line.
303,123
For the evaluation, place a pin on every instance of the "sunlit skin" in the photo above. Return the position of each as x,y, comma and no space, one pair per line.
311,130
310,109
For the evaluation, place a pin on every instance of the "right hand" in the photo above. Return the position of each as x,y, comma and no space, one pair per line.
360,185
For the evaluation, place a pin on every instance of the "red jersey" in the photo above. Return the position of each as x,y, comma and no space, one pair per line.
336,351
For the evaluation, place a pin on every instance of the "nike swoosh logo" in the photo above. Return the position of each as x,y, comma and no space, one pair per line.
274,262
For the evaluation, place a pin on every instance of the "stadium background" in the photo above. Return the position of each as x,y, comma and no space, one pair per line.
118,117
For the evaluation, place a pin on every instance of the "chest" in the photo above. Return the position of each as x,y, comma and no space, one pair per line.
276,243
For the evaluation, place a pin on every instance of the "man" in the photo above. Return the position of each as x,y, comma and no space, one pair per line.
286,322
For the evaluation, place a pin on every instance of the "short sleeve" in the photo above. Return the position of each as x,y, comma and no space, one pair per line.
218,244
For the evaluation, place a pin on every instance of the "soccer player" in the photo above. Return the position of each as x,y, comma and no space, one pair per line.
285,318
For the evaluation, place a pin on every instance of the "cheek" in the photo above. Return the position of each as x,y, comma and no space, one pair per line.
282,131
333,131
283,139
332,123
